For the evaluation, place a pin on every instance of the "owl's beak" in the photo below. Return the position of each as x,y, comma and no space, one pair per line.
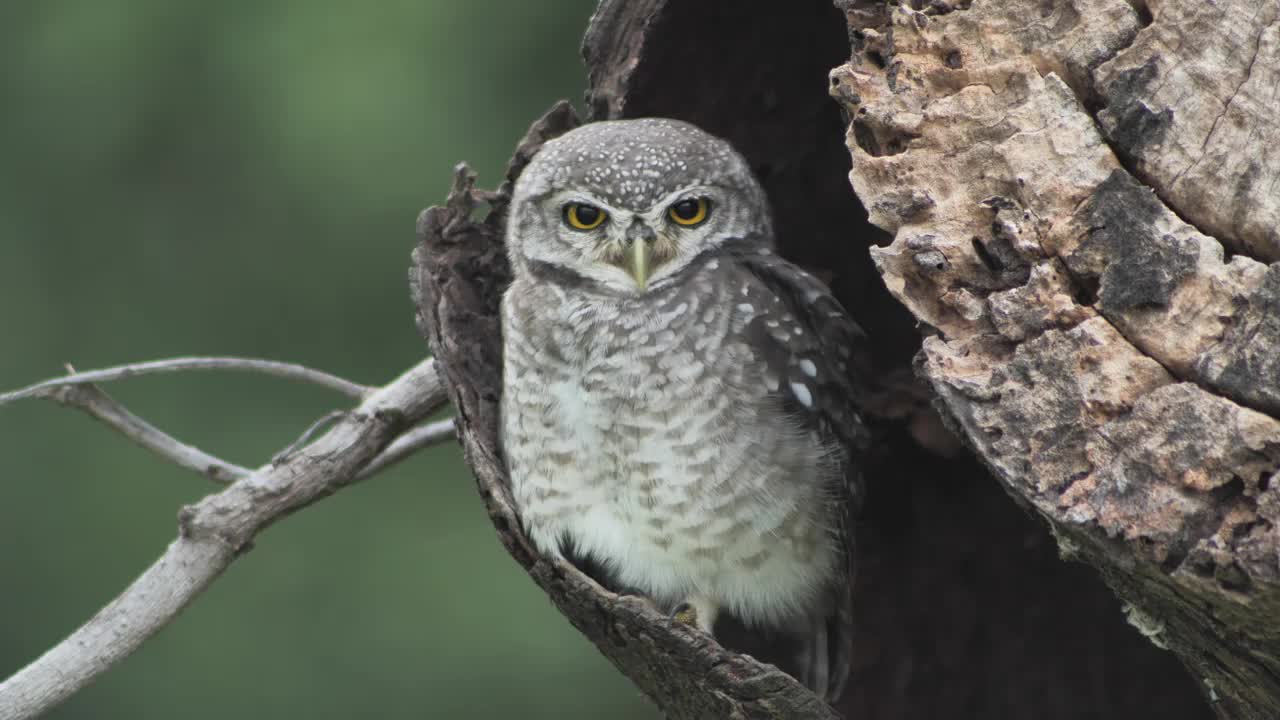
639,256
638,259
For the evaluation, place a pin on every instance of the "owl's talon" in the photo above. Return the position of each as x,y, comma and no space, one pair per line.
685,613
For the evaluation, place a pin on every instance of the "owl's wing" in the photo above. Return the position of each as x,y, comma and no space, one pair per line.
810,344
814,348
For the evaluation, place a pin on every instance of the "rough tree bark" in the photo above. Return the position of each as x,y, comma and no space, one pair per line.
1071,206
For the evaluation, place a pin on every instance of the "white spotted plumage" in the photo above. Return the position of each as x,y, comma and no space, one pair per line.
687,435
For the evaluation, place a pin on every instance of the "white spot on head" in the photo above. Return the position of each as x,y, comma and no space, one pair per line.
681,308
771,382
746,308
808,368
801,391
713,264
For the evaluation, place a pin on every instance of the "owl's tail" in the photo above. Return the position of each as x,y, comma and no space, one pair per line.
823,661
816,651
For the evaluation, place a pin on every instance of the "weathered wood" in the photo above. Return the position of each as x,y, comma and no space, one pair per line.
1192,105
1103,357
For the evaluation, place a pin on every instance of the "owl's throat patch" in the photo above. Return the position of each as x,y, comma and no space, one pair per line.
641,256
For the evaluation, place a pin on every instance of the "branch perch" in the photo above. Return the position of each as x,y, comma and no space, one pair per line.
216,530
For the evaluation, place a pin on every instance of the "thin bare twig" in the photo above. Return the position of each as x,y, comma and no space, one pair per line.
103,407
213,533
292,371
315,427
408,444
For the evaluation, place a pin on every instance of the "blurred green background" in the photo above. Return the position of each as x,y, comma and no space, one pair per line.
242,178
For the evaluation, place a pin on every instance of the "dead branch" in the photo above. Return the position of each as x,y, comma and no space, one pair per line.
409,443
274,368
101,406
215,531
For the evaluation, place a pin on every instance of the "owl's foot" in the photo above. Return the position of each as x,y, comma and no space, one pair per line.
685,613
699,612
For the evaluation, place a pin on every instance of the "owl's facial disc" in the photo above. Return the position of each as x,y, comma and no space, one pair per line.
651,242
622,245
629,205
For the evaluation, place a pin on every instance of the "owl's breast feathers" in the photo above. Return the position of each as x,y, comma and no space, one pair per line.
695,437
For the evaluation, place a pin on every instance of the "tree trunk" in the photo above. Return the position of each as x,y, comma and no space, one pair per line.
1071,203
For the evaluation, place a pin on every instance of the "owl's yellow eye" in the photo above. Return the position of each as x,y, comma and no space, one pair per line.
689,212
582,216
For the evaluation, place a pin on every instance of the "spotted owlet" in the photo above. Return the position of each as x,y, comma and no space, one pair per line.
678,406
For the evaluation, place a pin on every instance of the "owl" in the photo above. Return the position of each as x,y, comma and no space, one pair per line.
679,412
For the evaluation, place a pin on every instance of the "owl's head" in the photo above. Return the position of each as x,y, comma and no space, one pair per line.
629,203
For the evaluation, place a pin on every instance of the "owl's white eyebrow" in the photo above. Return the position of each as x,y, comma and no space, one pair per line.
685,193
577,196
